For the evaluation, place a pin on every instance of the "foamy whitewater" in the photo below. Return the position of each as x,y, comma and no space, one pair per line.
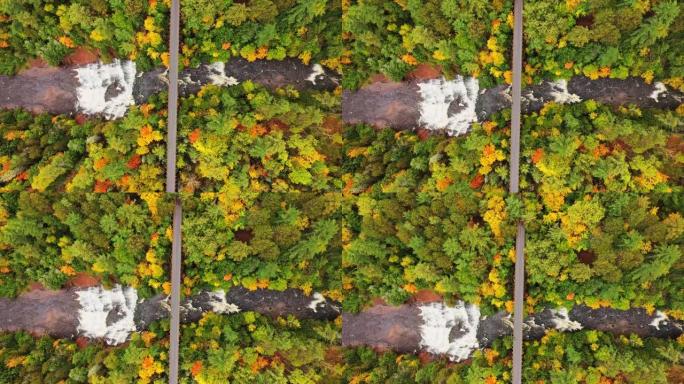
660,89
438,322
95,79
316,70
220,305
318,299
438,94
561,321
96,305
560,93
660,318
217,75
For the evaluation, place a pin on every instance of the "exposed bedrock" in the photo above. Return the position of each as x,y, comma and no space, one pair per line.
42,312
113,314
40,90
109,89
453,105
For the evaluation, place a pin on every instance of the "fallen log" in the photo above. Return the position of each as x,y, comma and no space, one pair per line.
113,314
109,89
458,331
451,106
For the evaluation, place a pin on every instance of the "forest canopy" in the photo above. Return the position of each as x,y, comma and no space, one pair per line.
119,238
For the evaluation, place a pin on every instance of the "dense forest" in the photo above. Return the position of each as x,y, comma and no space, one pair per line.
250,348
52,30
427,214
594,38
282,193
49,238
47,153
261,30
